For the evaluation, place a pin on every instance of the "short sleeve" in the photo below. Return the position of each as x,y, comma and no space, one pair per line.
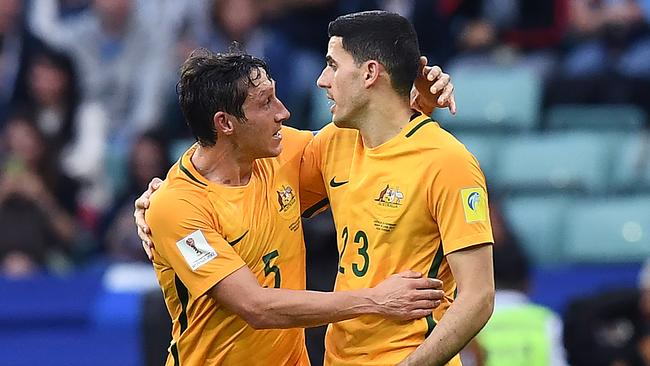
186,239
458,201
313,193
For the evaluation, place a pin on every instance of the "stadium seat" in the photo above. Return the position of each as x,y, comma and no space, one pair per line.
491,98
484,147
609,230
631,169
596,117
538,223
569,162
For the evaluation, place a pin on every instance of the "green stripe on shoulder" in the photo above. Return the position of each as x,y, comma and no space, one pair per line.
189,174
418,126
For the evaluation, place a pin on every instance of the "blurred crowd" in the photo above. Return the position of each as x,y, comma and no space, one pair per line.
88,111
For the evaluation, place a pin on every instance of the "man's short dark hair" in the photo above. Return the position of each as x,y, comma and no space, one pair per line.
212,82
385,37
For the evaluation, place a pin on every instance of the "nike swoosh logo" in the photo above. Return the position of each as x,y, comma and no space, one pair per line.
232,243
335,184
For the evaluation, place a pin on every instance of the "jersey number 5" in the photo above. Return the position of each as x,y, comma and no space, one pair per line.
359,238
268,268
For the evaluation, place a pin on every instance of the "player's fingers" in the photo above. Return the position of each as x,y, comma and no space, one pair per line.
423,304
441,82
417,314
147,250
423,61
426,283
142,234
444,97
154,184
452,105
428,295
434,73
142,203
409,274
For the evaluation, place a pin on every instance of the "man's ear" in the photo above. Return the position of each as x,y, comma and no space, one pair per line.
371,71
223,123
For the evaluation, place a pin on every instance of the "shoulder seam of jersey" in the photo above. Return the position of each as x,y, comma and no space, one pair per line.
189,174
418,126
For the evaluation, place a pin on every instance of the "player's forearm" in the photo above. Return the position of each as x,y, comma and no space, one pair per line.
280,308
461,322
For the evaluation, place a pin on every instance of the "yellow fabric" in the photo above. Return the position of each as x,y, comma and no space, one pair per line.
398,206
257,225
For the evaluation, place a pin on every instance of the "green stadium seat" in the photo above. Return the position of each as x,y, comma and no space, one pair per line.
631,169
609,230
538,223
569,162
490,98
596,117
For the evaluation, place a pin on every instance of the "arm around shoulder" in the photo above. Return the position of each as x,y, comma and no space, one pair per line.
403,296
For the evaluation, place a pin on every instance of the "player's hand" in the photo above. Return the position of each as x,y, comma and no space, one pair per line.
141,205
432,89
408,295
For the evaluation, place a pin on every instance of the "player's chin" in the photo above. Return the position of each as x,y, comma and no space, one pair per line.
275,150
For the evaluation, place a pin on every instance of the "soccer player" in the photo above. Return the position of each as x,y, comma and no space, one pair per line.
230,254
405,194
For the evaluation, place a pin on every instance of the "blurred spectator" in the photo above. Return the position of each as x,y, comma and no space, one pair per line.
611,328
28,237
609,36
519,333
119,49
16,48
507,32
32,186
75,129
429,17
148,159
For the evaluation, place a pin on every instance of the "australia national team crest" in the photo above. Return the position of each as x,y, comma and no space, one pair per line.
286,198
390,196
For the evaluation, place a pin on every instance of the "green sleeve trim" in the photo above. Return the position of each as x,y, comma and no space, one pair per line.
187,172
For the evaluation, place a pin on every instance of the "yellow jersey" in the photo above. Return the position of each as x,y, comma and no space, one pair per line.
204,231
402,205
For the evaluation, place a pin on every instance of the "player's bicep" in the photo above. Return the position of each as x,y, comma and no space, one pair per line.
472,269
197,253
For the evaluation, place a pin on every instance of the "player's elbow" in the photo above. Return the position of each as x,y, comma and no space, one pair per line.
486,303
257,315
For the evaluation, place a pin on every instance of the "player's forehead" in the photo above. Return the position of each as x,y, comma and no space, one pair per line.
261,84
336,52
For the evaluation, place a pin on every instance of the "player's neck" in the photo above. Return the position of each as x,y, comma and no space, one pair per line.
384,119
222,164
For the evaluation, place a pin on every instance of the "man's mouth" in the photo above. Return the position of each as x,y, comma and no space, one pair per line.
277,134
331,103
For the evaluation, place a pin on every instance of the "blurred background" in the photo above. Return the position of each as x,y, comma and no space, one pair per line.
553,96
